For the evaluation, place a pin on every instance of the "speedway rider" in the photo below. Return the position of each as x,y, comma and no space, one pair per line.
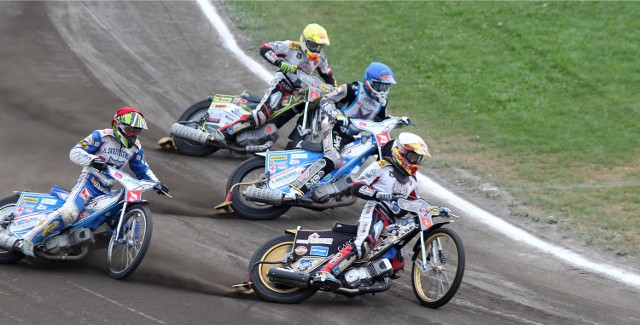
289,56
362,100
384,180
116,146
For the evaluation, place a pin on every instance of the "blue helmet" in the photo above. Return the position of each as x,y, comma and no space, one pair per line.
378,78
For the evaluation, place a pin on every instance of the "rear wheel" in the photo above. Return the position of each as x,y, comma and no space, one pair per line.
126,251
7,206
274,251
194,114
248,172
439,281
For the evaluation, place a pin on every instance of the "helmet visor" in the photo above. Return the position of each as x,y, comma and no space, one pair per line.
129,130
379,86
413,158
313,46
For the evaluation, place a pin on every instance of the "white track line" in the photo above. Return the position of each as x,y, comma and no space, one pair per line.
434,188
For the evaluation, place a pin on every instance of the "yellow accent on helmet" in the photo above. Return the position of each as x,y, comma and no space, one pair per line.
313,40
315,33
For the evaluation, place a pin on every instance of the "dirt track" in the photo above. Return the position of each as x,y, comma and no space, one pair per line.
65,68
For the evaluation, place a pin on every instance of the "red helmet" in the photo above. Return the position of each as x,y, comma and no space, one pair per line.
127,124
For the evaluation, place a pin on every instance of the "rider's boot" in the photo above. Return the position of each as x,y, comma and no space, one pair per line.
397,264
309,177
230,131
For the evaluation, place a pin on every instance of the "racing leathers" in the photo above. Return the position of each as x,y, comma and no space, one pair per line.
284,83
102,145
379,180
339,106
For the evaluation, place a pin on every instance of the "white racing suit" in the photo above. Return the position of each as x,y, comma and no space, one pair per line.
281,85
91,183
343,103
378,177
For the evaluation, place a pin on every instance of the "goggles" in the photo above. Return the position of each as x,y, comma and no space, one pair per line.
313,46
129,130
413,158
379,86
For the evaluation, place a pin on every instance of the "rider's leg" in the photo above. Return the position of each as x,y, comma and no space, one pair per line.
272,99
331,144
370,227
57,220
311,176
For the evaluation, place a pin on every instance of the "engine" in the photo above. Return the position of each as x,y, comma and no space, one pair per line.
325,191
369,271
64,242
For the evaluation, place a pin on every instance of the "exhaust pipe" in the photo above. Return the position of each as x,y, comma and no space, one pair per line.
192,134
263,195
288,277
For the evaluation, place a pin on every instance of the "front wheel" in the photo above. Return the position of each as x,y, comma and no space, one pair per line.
436,283
126,251
7,206
274,251
194,114
248,172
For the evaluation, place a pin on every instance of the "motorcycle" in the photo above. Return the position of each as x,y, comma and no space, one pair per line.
283,269
256,189
120,215
198,130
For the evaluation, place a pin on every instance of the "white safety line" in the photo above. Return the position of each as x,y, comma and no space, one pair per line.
434,188
115,302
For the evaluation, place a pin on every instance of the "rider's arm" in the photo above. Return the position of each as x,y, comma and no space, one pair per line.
139,166
324,70
329,101
363,191
84,152
273,52
362,187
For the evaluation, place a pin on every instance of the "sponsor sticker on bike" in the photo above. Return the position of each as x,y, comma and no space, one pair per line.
319,251
133,196
301,250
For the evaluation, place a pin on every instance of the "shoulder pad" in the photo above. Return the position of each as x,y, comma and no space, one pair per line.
383,163
106,132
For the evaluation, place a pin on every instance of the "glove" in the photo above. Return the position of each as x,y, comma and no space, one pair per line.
286,67
445,212
405,120
98,164
383,196
160,188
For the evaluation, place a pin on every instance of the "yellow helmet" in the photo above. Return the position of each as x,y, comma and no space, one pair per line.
313,40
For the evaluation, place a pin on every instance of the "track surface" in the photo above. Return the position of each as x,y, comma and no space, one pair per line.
66,66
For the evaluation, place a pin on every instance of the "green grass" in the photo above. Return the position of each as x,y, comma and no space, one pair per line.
541,98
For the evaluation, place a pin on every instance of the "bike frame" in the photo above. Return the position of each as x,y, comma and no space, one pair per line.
96,212
283,167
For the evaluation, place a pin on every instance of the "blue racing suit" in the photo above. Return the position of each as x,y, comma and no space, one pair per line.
343,103
100,144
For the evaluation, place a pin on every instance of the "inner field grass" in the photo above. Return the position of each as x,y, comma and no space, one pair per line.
539,98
